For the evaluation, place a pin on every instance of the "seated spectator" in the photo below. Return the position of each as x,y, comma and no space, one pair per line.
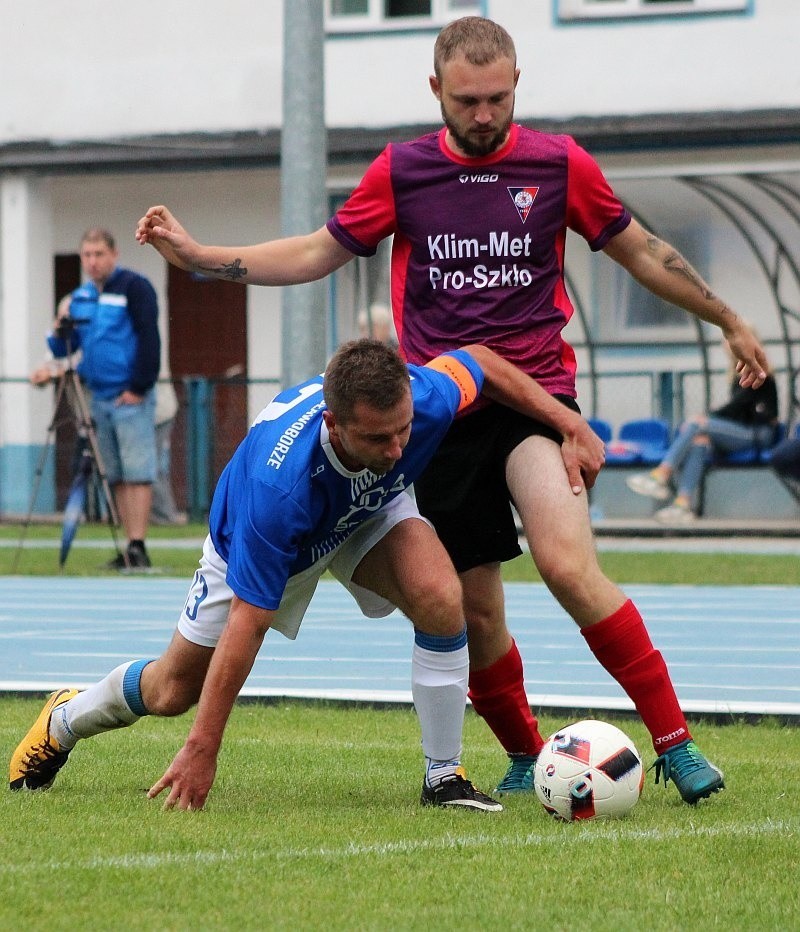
749,419
785,460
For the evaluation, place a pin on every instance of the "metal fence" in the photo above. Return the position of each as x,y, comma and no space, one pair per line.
213,417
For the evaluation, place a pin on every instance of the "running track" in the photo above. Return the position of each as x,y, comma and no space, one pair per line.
730,649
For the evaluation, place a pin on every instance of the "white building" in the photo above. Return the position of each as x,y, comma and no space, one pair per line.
691,106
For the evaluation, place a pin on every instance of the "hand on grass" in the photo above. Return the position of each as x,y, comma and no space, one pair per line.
189,778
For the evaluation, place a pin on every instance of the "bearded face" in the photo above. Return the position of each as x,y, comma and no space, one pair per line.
477,104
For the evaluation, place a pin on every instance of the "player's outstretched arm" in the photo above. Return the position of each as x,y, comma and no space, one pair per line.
190,775
288,261
582,450
664,271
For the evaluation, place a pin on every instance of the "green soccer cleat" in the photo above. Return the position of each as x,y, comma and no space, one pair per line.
695,777
520,775
39,757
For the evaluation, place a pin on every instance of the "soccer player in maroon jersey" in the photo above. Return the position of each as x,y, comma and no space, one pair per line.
479,212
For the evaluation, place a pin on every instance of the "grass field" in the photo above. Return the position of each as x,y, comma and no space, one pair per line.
314,819
39,557
314,824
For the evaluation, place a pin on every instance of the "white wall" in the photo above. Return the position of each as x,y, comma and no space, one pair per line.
115,68
659,66
106,68
589,69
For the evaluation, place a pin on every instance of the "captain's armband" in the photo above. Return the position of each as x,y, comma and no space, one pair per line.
460,374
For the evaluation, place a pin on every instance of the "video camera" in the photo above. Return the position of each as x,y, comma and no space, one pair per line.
66,326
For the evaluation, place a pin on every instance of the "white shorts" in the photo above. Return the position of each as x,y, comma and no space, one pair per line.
205,613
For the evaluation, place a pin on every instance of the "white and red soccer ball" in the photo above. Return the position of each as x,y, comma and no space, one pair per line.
589,770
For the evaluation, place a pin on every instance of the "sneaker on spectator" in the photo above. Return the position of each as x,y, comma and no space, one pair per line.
137,559
177,519
116,563
695,777
643,483
675,514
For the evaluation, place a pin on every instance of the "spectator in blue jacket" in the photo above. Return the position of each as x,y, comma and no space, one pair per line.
113,319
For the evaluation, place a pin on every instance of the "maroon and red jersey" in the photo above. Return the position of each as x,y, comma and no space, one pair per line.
478,254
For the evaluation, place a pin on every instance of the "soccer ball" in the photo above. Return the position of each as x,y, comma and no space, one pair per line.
589,770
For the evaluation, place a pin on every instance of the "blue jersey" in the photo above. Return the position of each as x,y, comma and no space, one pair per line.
118,334
285,500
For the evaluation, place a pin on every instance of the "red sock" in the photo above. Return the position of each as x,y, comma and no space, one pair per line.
498,696
623,646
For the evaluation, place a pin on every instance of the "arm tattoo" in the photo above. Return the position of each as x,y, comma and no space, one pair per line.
233,271
675,262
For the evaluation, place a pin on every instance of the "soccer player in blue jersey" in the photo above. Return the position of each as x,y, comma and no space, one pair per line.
479,213
320,483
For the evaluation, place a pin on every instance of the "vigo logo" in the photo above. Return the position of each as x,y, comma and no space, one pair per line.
471,179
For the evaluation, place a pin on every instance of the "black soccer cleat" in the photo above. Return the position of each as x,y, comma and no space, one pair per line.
458,792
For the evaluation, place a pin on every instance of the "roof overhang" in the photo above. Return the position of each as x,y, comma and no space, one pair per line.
261,149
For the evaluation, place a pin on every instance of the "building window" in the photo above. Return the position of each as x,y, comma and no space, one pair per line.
569,10
627,311
379,15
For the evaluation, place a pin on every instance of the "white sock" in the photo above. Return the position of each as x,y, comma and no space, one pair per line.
439,771
114,702
439,676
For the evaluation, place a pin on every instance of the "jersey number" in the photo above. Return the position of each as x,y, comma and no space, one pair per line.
197,594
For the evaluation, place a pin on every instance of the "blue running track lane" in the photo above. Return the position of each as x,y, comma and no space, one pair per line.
729,649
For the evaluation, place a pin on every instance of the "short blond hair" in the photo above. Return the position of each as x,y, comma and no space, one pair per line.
481,41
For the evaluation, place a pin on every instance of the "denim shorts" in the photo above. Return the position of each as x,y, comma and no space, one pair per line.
126,439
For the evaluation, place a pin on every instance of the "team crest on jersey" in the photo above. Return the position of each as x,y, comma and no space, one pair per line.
523,199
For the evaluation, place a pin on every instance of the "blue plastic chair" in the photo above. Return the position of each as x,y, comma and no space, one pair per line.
781,433
754,455
601,428
649,439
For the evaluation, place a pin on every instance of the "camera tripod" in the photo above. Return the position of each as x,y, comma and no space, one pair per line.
90,464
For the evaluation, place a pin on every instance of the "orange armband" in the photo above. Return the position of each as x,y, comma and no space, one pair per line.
460,374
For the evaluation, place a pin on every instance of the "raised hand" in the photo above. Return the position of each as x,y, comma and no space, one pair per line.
159,229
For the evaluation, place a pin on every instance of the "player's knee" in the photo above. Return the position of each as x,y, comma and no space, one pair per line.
437,606
564,575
